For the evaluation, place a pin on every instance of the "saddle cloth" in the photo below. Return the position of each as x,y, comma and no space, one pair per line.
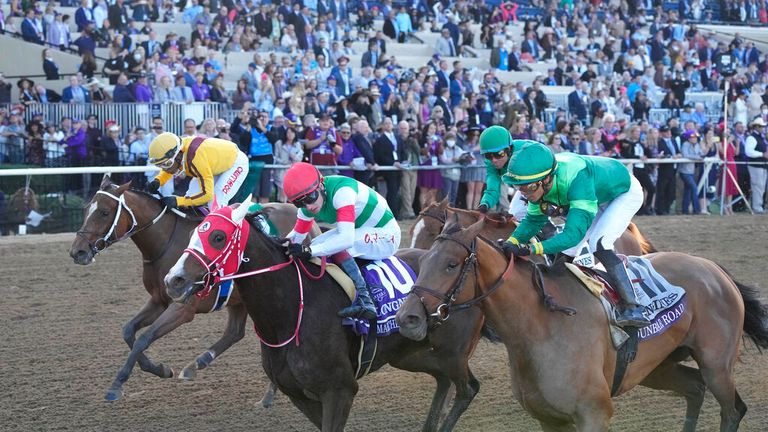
389,281
664,303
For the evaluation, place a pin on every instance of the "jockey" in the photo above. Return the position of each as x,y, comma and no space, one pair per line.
598,196
365,226
497,146
217,167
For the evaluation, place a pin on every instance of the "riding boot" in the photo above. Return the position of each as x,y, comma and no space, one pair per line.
632,313
362,306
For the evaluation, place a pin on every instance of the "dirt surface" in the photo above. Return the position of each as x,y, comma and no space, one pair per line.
61,347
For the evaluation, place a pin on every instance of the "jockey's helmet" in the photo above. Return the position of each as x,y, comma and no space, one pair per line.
301,179
531,163
164,149
495,139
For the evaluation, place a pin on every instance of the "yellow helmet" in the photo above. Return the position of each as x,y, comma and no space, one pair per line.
163,149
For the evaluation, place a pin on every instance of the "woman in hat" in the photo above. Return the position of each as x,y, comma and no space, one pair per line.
27,91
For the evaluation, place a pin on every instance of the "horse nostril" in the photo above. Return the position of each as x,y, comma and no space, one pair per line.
178,282
412,320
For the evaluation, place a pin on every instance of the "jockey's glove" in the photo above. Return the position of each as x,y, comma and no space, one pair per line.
483,208
169,201
299,251
153,187
511,249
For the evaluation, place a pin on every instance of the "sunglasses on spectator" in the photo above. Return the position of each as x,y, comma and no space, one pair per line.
496,155
307,199
157,127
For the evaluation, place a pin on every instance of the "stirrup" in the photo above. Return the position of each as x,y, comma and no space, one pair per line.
632,317
358,309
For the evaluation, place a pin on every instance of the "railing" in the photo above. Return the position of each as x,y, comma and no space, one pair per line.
128,115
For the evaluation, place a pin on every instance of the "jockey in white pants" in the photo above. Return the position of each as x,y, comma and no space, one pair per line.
365,226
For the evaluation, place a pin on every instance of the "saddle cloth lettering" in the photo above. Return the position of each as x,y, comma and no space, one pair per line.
389,281
663,302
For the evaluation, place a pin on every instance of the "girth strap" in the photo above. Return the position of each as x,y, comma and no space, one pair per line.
624,356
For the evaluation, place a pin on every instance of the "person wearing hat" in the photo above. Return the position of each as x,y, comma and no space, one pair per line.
496,146
26,90
365,226
598,198
217,168
342,73
756,150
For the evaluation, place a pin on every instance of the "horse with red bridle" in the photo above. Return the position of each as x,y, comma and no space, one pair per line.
563,364
116,213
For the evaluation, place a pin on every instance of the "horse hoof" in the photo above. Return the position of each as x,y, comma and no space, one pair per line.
166,372
188,374
113,395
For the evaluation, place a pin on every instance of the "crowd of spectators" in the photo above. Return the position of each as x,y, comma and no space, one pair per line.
302,95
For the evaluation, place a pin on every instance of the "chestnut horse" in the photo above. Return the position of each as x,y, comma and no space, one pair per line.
305,350
562,365
117,212
431,220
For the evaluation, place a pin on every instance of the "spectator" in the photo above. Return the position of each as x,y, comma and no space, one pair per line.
372,57
430,181
83,15
32,27
122,93
74,138
287,152
26,91
218,92
666,184
5,90
252,129
241,95
58,32
362,130
690,150
164,93
118,15
12,140
445,46
53,146
388,150
756,151
577,102
141,90
200,90
182,93
75,93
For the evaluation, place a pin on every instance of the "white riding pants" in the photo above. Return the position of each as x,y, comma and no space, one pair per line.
226,184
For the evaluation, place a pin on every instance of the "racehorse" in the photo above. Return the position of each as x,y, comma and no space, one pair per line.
431,221
116,213
305,350
561,364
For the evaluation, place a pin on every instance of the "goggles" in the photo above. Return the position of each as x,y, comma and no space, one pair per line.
496,155
307,199
168,159
528,188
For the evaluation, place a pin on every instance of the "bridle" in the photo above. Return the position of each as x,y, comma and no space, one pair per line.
235,249
448,305
106,240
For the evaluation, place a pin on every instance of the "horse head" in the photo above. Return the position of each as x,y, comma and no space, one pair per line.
428,225
216,247
452,260
104,221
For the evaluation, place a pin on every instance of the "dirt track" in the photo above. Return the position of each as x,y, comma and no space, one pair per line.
61,347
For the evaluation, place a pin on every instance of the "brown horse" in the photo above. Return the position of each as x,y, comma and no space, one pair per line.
562,365
117,212
318,374
431,221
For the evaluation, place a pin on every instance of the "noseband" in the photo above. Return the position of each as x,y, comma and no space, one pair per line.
105,241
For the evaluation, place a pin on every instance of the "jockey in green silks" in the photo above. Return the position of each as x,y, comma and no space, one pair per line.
497,146
597,196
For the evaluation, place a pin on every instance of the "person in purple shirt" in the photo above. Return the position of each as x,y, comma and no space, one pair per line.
76,151
141,90
349,150
200,90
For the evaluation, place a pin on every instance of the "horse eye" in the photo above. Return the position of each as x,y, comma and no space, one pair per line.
104,213
452,265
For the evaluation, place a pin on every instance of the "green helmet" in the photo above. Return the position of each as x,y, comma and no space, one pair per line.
495,139
531,163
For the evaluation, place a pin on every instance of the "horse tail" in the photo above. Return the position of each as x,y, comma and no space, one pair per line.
755,313
489,333
645,245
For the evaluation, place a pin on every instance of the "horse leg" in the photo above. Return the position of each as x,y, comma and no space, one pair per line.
146,316
269,396
466,390
176,315
336,406
594,414
684,381
234,331
718,375
438,402
313,410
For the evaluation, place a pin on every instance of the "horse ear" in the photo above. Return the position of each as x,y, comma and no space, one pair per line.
443,204
122,188
238,214
451,222
106,182
474,230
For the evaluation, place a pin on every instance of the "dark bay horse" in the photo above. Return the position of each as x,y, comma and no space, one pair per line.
316,371
431,221
117,212
562,366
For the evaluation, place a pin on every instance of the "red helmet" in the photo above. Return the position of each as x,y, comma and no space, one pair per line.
300,179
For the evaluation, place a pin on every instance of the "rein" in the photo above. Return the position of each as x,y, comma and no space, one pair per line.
443,311
215,274
105,240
